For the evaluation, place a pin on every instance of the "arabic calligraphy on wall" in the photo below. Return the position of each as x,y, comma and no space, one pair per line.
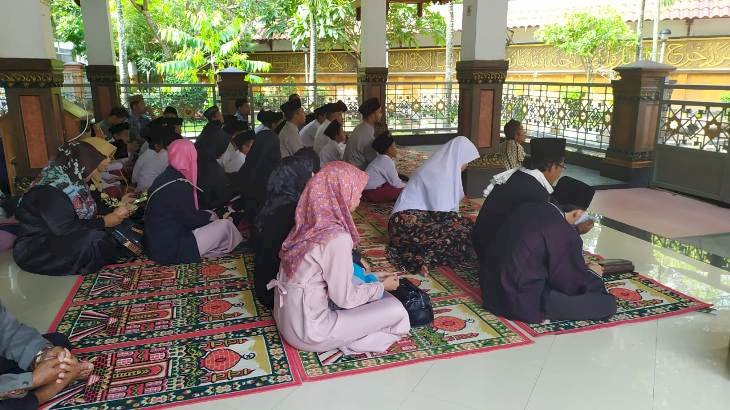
693,53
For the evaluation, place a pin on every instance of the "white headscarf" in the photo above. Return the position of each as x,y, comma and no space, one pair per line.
436,185
501,179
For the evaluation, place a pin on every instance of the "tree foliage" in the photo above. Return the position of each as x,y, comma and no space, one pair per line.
336,26
590,37
212,42
68,25
404,24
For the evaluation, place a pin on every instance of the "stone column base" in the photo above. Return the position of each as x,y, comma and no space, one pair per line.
232,85
371,83
104,83
480,101
35,112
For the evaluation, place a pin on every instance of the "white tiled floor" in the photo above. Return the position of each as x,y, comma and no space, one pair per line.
676,363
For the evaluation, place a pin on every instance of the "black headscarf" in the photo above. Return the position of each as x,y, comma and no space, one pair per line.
265,155
285,185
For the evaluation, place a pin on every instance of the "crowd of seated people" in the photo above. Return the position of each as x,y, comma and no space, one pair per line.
293,183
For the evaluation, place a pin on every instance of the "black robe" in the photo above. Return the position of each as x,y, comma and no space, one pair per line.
538,253
170,218
252,178
521,188
212,178
52,240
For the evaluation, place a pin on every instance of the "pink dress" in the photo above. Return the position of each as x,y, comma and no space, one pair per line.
369,319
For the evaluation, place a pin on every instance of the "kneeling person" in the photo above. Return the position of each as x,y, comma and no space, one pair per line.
536,270
384,184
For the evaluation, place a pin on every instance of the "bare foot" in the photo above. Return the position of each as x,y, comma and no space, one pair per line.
424,270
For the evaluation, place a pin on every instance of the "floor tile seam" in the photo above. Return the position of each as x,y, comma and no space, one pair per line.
539,373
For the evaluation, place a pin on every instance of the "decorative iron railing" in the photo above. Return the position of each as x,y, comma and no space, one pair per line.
422,107
79,94
3,102
190,101
578,112
688,123
269,96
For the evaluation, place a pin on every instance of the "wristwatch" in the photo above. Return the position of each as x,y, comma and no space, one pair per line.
39,356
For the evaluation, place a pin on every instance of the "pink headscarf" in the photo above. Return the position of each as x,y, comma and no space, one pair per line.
323,212
184,158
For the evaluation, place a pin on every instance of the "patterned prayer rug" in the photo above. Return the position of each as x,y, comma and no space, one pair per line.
639,298
461,326
159,335
408,161
181,369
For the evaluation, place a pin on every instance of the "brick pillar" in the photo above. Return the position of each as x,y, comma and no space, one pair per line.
104,83
232,85
636,110
480,101
35,111
371,82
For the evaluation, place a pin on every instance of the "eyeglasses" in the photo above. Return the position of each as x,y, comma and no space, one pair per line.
563,166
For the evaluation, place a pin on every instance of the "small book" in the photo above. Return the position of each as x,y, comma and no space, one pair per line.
616,266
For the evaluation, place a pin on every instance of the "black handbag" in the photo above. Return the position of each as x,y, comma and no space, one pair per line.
416,301
129,235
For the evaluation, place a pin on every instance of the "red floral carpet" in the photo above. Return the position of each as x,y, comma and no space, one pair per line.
639,298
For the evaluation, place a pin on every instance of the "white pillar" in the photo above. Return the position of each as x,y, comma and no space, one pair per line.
373,52
97,32
25,29
484,30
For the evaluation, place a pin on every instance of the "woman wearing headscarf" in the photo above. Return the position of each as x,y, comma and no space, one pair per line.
319,306
425,227
216,188
176,230
61,231
276,218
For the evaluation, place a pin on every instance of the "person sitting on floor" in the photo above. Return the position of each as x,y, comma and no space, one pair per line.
511,189
152,162
511,149
216,190
334,149
332,112
289,139
176,230
170,112
243,110
536,270
320,307
34,368
60,230
231,160
116,116
120,138
269,120
276,218
425,227
359,151
384,184
242,142
310,130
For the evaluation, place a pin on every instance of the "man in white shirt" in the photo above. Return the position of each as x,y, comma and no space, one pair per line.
268,119
310,130
289,139
332,112
359,151
231,157
335,147
152,162
384,184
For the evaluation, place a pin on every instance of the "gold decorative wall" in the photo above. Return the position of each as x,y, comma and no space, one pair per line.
685,54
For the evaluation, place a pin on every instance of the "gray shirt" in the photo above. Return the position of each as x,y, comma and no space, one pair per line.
18,343
359,151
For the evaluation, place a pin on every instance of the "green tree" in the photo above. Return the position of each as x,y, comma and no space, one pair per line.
212,42
68,25
404,24
590,37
